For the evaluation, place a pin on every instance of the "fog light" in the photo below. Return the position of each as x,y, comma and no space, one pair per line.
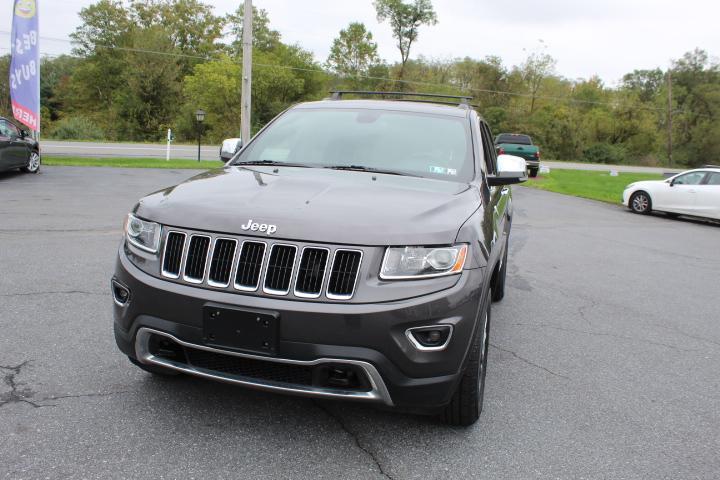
121,294
432,338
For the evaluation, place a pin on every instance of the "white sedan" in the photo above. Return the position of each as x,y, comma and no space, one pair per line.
695,192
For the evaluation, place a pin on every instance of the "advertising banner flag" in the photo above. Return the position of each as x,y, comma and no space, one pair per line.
25,64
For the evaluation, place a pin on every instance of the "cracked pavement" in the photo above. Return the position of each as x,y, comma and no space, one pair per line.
604,361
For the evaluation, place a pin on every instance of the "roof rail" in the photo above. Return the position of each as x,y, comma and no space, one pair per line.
463,100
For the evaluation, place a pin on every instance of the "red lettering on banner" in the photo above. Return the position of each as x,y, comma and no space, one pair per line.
25,116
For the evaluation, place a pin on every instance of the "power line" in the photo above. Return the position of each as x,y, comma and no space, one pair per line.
367,77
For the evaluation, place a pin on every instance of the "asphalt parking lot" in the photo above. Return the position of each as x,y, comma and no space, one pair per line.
605,358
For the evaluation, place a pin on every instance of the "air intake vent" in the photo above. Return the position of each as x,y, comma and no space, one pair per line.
221,263
280,269
343,274
172,259
196,259
250,263
311,272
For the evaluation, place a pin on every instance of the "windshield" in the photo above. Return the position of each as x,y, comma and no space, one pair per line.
513,138
431,146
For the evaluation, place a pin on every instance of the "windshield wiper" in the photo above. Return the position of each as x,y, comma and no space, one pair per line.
362,168
271,162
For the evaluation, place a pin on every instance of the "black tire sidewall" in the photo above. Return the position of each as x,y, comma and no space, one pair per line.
27,169
498,287
466,404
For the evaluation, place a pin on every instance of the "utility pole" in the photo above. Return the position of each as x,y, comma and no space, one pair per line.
246,73
669,119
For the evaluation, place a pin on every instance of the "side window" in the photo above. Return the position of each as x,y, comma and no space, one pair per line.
693,178
14,132
713,179
4,129
488,148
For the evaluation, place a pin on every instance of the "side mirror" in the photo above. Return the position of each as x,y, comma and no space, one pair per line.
510,169
229,148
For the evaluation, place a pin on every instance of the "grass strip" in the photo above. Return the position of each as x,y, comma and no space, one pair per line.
588,184
122,162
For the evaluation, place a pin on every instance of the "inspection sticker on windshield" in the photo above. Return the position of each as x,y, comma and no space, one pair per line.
442,170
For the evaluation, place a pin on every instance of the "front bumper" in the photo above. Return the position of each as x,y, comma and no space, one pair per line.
369,337
626,197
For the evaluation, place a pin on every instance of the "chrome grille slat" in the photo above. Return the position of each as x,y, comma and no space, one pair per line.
311,272
344,273
249,266
222,262
172,256
196,258
279,270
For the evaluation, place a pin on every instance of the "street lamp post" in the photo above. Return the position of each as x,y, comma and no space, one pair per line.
200,117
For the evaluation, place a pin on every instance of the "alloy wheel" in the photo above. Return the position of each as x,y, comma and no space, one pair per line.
640,202
33,162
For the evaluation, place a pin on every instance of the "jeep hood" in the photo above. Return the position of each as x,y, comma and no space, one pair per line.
316,205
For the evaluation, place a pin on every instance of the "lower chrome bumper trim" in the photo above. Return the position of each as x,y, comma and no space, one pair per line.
378,392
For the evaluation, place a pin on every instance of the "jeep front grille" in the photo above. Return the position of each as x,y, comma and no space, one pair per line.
196,259
279,269
172,258
260,268
311,272
343,274
249,266
222,262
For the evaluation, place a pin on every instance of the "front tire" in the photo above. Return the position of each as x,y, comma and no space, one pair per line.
33,165
640,203
466,404
498,285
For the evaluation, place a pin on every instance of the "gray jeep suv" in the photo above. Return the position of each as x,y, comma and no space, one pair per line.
350,250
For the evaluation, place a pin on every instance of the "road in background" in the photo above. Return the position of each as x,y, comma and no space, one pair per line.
141,150
604,360
606,168
211,152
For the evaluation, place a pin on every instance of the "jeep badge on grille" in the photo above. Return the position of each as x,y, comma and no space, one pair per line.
259,227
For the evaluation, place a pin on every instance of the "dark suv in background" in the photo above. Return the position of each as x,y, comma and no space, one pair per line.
350,250
17,148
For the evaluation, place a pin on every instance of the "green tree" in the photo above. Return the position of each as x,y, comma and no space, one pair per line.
215,87
5,109
353,53
148,99
54,81
405,20
533,71
646,83
105,25
104,30
191,25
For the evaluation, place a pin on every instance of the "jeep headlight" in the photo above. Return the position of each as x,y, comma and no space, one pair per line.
422,262
143,234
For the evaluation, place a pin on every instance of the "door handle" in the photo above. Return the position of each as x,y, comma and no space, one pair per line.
692,191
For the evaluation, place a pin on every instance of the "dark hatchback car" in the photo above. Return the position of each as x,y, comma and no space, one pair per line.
17,148
350,250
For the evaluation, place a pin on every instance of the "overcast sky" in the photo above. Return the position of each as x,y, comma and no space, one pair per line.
604,37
